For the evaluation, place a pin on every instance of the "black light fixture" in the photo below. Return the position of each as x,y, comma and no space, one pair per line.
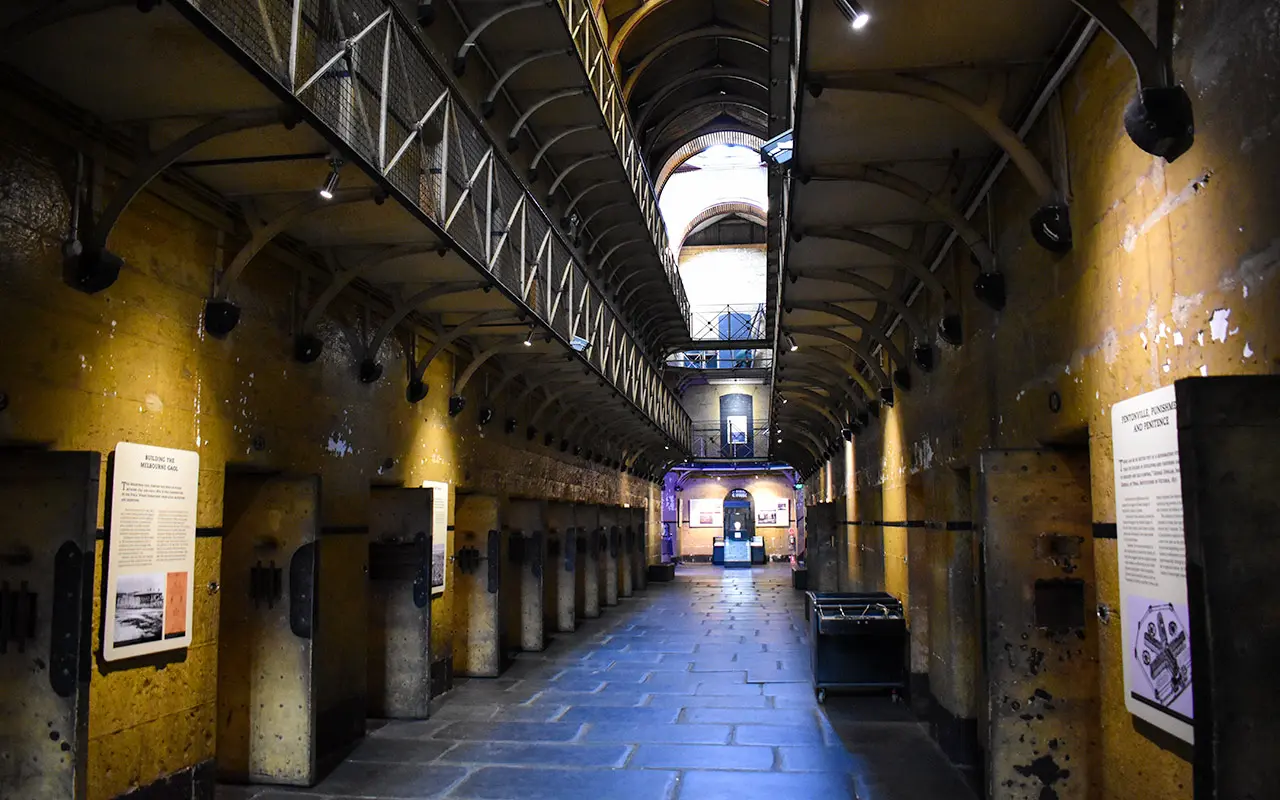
792,344
486,415
331,183
854,12
528,339
950,330
989,288
456,404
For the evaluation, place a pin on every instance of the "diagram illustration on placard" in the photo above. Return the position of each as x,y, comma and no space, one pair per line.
1162,654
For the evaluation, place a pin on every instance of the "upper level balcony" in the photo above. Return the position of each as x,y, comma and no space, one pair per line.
550,69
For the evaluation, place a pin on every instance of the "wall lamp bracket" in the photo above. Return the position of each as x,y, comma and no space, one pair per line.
1159,119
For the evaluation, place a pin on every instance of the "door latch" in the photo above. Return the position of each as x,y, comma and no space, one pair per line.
17,616
266,584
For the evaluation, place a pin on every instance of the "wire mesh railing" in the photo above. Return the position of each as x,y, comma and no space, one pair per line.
726,439
589,43
363,75
727,323
722,359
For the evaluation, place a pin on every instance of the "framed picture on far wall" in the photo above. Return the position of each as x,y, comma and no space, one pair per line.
706,513
773,513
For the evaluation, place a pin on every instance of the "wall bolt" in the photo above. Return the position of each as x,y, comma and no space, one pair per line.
1105,613
213,587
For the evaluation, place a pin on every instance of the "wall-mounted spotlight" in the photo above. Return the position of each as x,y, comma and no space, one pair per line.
528,339
854,12
792,344
331,183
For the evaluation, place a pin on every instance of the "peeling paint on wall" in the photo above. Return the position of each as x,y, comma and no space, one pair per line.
1168,205
1218,324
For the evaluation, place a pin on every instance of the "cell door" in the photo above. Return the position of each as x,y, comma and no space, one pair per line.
589,580
477,622
400,538
527,557
1035,512
266,654
48,517
609,556
562,561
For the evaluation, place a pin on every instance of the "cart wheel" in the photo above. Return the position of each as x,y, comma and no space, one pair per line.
822,696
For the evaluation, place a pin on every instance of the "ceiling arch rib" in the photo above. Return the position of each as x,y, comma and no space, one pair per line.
642,15
709,74
740,35
694,146
719,113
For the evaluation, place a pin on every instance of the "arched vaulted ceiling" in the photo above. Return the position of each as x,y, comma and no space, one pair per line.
690,67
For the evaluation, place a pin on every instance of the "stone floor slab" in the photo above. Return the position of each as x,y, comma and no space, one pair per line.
764,786
701,756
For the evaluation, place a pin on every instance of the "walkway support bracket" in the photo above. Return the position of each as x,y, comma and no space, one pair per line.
1051,223
90,266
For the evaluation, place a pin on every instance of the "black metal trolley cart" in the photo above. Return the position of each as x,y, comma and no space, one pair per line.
857,640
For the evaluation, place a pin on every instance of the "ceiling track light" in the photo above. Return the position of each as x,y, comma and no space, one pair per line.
854,12
331,183
528,339
791,343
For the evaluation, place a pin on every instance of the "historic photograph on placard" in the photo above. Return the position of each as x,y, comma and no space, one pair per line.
439,534
140,609
437,568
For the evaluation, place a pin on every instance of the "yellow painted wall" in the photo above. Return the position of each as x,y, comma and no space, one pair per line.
1160,249
132,364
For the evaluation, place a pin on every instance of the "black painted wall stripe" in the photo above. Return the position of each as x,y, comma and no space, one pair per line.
201,533
1104,530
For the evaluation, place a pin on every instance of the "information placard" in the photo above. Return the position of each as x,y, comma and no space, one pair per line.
773,512
1153,562
151,547
706,513
439,534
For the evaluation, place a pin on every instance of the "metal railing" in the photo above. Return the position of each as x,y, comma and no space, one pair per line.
716,440
727,323
589,42
362,74
722,359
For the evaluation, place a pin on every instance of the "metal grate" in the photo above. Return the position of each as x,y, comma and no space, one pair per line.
361,68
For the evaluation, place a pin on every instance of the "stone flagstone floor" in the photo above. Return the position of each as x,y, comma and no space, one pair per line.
693,690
